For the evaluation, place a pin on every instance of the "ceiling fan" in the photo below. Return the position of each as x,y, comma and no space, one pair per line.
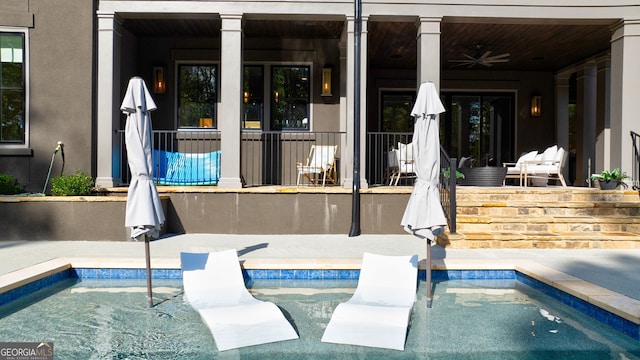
481,58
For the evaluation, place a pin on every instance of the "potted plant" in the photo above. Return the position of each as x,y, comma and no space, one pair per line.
609,180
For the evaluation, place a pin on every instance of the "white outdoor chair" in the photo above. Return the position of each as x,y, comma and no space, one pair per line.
549,165
514,170
321,164
403,167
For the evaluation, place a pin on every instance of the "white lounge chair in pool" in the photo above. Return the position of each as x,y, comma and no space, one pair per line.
377,315
214,287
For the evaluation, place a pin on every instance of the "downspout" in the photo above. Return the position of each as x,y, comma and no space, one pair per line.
355,203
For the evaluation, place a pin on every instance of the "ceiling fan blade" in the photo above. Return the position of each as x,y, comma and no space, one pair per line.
495,61
485,55
498,57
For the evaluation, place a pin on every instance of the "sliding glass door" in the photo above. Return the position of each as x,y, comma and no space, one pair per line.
479,125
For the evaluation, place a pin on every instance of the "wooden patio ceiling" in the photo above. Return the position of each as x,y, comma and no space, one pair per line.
392,45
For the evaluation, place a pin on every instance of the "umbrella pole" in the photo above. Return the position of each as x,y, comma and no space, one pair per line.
148,258
429,299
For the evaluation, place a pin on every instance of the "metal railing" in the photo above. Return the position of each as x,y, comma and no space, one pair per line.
266,157
635,161
272,157
448,168
378,146
196,141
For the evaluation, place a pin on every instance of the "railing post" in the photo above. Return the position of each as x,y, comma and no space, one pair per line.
452,195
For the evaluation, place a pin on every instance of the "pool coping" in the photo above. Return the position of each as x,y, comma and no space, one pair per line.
618,304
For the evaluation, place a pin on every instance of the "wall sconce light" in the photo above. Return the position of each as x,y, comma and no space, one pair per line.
245,97
158,80
536,105
326,81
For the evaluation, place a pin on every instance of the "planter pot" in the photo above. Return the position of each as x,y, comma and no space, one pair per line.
609,185
539,182
483,176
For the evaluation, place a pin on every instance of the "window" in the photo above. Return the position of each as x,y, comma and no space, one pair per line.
290,97
396,111
12,89
197,95
253,97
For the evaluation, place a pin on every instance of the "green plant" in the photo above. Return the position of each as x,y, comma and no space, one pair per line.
8,185
446,172
613,175
76,184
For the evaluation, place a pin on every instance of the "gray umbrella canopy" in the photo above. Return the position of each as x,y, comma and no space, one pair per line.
144,213
424,216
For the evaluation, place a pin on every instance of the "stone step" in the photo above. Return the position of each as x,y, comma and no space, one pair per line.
541,239
548,223
552,217
554,208
509,193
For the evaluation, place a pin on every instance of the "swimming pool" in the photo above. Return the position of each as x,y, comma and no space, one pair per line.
470,319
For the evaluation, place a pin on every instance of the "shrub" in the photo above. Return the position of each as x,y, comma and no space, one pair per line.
8,185
76,184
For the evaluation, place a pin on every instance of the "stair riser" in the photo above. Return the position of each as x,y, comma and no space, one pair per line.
538,244
533,211
549,227
567,196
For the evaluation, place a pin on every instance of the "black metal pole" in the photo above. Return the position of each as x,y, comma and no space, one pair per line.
355,203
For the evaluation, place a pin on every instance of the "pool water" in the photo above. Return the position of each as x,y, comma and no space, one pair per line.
470,319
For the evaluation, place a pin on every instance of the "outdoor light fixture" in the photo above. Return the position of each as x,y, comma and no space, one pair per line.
536,105
326,81
158,80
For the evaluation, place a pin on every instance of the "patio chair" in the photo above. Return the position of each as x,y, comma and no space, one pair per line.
321,164
214,287
548,166
514,170
377,315
403,167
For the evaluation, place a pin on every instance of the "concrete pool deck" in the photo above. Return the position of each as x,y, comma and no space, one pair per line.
606,278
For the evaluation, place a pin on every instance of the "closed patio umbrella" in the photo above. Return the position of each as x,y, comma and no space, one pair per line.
424,216
144,214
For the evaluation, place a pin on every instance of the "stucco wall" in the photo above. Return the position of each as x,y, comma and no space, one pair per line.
102,217
60,82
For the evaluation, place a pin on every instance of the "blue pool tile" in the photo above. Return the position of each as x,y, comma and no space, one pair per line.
287,274
315,275
631,329
34,286
302,274
330,275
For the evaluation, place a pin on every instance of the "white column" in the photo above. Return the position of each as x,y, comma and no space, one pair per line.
625,92
562,116
230,113
603,120
348,159
107,143
429,51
